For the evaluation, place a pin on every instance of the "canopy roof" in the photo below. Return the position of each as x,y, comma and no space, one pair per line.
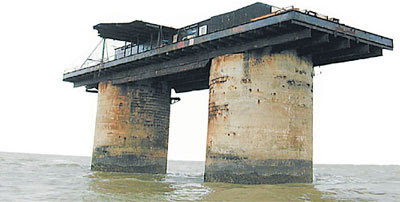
132,31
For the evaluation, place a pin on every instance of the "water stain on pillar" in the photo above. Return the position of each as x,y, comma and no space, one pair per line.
260,118
132,127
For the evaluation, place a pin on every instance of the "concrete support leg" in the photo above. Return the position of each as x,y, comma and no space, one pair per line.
260,119
132,127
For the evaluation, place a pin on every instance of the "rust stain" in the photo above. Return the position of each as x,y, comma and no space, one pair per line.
280,77
246,80
300,71
221,79
348,30
231,87
216,62
273,120
298,83
181,44
215,110
128,123
263,17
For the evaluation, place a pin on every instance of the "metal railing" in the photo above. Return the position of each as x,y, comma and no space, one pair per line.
91,61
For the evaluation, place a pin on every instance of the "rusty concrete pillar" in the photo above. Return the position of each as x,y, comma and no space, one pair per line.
260,119
132,126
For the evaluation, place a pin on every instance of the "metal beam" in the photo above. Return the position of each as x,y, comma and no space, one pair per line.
342,30
361,51
334,46
185,82
187,88
316,39
160,72
310,45
199,77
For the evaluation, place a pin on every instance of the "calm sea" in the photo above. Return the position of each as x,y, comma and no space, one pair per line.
34,177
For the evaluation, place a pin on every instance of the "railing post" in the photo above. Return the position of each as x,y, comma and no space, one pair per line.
102,52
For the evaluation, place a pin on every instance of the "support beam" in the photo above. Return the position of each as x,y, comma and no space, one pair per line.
337,45
132,126
362,51
309,47
161,72
201,85
317,39
260,119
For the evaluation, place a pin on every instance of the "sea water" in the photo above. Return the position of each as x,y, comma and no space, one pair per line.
35,177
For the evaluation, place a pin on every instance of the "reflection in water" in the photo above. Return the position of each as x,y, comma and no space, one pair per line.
124,186
31,177
284,192
186,179
174,186
184,182
187,187
191,189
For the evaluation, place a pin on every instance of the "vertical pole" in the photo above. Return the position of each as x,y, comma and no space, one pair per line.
161,34
151,41
159,37
137,44
125,49
102,56
102,52
106,52
131,48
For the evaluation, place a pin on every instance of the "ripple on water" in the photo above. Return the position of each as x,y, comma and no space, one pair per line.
187,192
57,178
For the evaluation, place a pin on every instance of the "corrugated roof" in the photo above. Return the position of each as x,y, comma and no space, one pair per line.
132,31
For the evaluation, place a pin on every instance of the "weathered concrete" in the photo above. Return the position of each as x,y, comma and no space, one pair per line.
260,118
132,127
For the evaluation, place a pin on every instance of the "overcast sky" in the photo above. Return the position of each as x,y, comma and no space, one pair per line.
356,104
